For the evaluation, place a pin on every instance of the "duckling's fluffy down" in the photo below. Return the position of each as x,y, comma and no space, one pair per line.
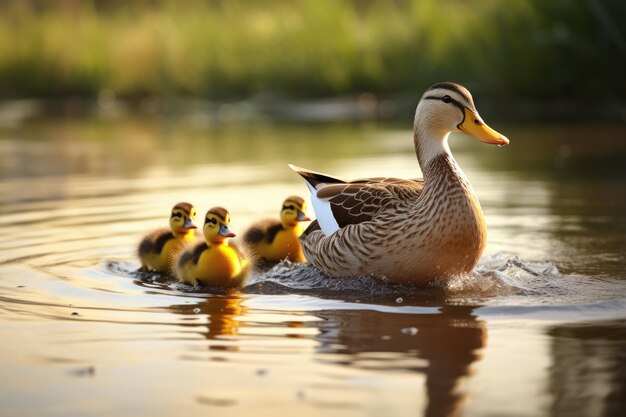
151,248
263,230
184,263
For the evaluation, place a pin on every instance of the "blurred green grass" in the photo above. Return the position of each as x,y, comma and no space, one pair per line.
534,49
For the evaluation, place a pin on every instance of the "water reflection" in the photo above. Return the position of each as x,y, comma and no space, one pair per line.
221,315
565,191
588,372
132,147
76,193
562,188
443,346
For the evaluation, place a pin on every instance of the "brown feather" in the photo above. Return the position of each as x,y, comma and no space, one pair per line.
154,241
311,228
359,201
264,230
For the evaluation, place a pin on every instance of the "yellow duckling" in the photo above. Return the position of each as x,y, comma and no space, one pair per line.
275,240
217,261
159,248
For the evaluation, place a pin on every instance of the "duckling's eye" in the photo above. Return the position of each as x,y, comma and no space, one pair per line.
289,208
476,121
177,214
446,99
211,220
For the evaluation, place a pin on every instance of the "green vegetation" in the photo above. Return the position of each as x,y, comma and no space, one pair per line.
534,49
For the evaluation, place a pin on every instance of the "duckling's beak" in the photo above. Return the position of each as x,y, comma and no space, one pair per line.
302,217
474,125
189,224
225,231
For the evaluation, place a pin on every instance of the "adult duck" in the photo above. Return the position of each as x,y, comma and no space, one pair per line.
407,230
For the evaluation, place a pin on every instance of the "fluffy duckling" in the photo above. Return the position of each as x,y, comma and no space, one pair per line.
159,248
217,261
274,240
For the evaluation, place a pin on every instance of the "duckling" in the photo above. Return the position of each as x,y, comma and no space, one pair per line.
158,248
274,240
217,261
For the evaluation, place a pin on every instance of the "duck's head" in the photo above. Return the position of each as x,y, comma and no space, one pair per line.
216,225
293,211
182,218
448,107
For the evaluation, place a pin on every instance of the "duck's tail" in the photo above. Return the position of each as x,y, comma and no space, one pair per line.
315,178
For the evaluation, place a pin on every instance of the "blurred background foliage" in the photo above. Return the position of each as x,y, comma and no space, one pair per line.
571,50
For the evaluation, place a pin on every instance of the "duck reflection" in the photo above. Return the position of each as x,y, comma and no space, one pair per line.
588,370
441,345
221,314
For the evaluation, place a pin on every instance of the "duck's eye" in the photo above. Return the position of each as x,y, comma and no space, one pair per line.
446,99
289,208
211,220
476,121
177,214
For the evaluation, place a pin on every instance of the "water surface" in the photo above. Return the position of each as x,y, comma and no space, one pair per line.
537,329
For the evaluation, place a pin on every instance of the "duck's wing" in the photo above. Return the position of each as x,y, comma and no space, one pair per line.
192,254
338,203
264,230
359,201
154,241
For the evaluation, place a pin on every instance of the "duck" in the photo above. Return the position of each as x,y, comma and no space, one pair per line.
274,240
217,261
159,247
413,231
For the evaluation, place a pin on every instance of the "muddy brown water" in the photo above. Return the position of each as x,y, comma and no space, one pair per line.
537,329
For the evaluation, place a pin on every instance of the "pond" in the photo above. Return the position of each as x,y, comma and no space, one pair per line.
537,329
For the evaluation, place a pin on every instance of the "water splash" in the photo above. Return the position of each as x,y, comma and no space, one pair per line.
497,279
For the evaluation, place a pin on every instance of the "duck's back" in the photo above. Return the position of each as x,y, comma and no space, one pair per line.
432,230
155,249
263,231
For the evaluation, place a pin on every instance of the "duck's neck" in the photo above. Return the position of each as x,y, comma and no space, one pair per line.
429,141
431,147
292,228
189,235
214,243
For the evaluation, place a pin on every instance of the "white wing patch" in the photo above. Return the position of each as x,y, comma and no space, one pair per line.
323,212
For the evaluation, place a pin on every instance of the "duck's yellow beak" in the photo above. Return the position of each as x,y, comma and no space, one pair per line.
474,126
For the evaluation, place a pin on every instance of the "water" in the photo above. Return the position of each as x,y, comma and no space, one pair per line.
537,329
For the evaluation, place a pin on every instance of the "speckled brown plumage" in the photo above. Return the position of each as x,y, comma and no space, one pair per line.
432,227
406,230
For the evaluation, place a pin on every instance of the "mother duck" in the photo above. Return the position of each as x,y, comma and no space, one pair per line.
407,230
